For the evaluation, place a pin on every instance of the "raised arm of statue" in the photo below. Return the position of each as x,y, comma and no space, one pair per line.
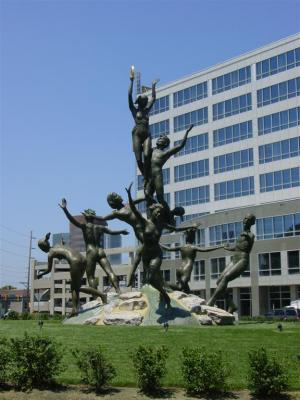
73,221
207,249
133,207
180,146
130,100
229,247
110,232
152,101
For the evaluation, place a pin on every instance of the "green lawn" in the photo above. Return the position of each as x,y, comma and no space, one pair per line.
234,341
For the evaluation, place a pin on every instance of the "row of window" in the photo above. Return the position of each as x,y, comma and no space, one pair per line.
270,181
239,77
160,128
279,121
233,133
235,160
279,150
231,80
219,234
236,105
268,263
191,170
278,226
166,179
234,188
280,91
278,180
190,94
197,117
279,63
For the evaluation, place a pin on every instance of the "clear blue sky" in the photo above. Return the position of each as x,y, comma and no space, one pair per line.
65,123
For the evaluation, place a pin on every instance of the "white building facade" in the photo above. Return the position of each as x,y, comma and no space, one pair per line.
242,154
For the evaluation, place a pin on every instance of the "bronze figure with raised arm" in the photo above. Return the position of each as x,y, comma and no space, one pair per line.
141,139
150,251
240,259
188,254
92,234
77,262
159,156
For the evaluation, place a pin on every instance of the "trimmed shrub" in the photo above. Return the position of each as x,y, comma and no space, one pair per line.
35,360
267,376
12,315
4,360
203,371
95,369
150,366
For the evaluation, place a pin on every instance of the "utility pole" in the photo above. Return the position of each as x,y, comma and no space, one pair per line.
29,265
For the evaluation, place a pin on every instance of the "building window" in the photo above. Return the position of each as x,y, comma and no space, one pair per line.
177,252
231,80
190,94
278,226
280,91
293,262
217,267
166,255
235,188
224,233
279,150
166,178
231,161
193,144
191,170
245,301
279,121
197,117
200,237
279,296
233,106
166,275
159,129
269,264
279,180
199,270
188,197
276,64
160,105
233,133
122,280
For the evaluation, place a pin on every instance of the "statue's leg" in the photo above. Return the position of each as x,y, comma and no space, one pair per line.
136,262
156,279
75,299
105,265
147,147
159,188
138,151
91,261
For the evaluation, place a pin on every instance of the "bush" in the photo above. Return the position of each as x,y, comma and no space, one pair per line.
95,369
203,371
150,366
12,315
26,316
266,375
4,360
35,360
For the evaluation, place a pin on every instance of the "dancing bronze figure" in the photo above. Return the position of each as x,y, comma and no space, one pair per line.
158,157
240,260
77,263
141,138
92,234
188,254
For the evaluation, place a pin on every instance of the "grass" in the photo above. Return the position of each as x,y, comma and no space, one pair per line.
234,341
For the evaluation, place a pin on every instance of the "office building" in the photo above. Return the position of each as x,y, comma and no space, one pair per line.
241,156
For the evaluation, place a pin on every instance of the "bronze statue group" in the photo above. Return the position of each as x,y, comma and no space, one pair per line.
148,229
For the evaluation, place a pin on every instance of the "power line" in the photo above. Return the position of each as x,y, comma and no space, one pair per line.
13,230
15,254
15,244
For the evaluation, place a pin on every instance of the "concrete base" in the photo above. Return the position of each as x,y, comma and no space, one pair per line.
148,309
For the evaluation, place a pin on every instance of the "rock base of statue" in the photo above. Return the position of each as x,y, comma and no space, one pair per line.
146,308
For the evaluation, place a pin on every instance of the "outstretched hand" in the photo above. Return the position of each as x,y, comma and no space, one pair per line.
190,128
155,82
132,72
63,204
